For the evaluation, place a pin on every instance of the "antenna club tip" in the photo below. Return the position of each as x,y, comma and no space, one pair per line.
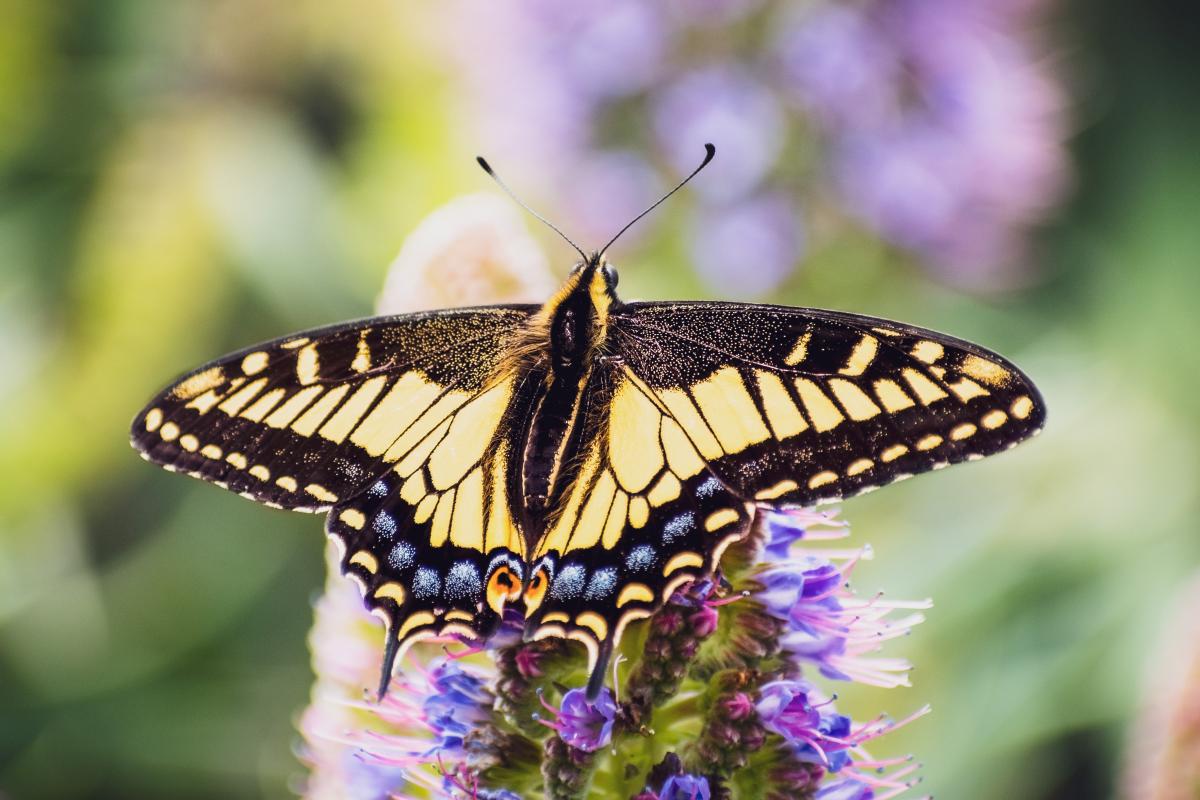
482,162
710,148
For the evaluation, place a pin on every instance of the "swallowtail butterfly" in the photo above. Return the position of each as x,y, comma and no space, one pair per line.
581,459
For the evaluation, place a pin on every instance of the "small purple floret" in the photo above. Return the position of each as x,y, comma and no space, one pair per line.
685,787
583,725
458,703
823,737
846,790
782,530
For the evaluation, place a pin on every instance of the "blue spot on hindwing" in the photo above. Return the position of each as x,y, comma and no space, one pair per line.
402,555
427,584
640,558
568,583
384,525
463,582
708,488
677,526
603,582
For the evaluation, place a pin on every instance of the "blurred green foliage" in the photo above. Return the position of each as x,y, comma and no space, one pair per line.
179,179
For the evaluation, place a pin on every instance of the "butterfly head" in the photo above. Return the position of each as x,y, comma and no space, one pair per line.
601,281
577,317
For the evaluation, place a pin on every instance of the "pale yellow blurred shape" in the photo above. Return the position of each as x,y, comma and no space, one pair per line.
474,250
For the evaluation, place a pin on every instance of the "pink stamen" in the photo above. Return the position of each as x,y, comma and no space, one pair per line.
727,600
470,650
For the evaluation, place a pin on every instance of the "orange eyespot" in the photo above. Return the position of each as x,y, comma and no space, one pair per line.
503,587
535,592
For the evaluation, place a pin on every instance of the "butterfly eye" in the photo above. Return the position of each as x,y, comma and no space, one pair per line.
503,587
610,275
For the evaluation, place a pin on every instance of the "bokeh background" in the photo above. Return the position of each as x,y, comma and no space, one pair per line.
178,179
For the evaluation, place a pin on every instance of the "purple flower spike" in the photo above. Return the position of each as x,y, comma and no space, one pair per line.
685,787
583,725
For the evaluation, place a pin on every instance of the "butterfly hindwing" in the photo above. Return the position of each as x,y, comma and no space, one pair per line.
799,406
644,516
433,541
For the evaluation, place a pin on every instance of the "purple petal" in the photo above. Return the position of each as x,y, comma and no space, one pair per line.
734,111
750,247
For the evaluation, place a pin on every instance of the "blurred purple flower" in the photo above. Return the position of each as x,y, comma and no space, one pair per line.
749,247
825,623
946,132
728,107
685,787
583,725
614,52
837,63
937,124
611,185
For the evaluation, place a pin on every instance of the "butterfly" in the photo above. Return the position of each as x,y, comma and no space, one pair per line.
579,460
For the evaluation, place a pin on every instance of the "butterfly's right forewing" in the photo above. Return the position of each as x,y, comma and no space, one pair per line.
798,406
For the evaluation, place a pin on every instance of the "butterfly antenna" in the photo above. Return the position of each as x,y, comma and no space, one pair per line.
488,169
709,152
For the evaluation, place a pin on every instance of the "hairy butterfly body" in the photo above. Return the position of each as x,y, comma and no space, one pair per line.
578,460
